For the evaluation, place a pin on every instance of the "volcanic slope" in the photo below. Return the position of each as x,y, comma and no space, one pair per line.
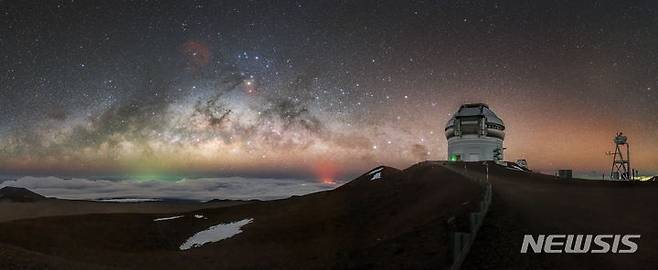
386,218
531,203
16,194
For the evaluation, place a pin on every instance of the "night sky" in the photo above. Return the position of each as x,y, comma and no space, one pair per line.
318,89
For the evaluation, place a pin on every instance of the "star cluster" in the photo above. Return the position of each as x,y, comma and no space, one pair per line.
318,88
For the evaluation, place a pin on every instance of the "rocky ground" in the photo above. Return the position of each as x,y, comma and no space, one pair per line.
384,219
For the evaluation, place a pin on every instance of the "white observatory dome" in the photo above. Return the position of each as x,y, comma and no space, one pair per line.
475,133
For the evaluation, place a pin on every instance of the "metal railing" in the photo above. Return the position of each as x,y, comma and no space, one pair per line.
460,241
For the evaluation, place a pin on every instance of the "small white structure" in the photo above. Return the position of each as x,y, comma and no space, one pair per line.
475,133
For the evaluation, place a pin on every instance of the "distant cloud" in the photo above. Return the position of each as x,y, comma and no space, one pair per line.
195,189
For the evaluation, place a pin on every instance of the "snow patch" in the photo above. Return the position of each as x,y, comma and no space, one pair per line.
199,216
215,233
376,171
515,168
376,176
167,218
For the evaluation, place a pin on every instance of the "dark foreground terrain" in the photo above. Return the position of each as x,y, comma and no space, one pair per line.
528,203
402,221
398,221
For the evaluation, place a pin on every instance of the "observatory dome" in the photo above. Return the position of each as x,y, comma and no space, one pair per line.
475,133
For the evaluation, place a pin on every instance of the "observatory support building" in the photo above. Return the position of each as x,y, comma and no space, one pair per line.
475,133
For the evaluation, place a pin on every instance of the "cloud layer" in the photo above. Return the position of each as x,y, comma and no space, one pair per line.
203,189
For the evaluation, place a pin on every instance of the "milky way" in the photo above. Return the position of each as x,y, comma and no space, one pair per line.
322,89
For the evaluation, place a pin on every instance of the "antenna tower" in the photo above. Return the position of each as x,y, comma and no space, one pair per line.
621,160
